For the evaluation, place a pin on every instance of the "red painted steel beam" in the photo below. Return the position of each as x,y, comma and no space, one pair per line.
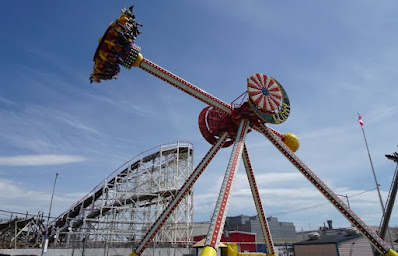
257,201
374,239
220,211
180,195
184,86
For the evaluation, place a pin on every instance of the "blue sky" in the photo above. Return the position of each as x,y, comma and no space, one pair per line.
333,58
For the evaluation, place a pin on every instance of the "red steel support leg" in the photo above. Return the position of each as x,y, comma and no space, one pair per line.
221,208
184,86
257,201
179,196
374,239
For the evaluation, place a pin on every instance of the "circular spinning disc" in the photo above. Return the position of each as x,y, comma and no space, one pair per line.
264,92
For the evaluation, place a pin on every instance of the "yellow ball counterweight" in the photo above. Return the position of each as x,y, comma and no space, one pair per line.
291,141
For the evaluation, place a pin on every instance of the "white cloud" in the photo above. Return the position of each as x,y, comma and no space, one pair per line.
61,116
381,112
37,128
324,132
118,102
289,194
15,198
6,101
40,160
28,142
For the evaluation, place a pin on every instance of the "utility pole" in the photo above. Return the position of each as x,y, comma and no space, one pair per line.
391,198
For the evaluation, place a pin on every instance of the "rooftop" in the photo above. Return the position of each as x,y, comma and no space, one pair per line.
330,239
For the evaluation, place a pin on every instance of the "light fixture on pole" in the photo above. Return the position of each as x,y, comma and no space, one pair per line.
346,197
48,217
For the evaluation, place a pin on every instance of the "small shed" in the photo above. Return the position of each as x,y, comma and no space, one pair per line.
334,245
245,240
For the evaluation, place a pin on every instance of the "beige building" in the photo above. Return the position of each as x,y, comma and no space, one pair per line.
334,245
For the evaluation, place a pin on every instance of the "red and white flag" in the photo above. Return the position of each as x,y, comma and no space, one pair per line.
360,120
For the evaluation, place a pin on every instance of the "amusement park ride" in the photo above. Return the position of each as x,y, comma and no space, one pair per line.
222,125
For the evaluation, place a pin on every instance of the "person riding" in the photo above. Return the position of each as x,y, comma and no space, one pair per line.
114,48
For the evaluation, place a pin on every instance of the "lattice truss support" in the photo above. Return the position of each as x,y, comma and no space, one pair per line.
124,207
22,232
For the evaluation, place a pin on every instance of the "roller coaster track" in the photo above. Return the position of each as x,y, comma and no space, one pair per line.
123,184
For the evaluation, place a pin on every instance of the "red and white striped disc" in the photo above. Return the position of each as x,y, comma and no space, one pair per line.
264,92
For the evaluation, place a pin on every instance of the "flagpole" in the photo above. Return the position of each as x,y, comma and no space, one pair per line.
374,176
371,163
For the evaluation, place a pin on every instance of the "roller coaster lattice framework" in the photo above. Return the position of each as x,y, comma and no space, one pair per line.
121,208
